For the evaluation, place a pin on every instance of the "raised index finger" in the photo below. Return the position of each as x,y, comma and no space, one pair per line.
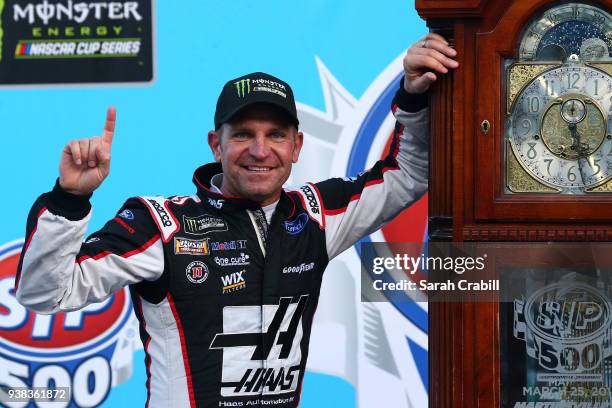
109,125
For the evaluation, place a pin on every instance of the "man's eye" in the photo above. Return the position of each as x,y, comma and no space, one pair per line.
241,135
278,135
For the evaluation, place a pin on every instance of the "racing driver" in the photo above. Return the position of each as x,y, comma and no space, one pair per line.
225,283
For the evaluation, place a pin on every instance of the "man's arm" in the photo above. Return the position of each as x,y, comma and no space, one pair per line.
57,271
353,208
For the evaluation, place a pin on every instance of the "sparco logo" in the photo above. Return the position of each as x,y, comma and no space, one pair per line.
565,327
161,211
242,86
279,348
78,12
312,200
299,268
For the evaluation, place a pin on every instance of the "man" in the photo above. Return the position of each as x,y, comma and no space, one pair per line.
225,283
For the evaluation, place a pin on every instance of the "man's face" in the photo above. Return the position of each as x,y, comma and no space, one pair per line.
256,150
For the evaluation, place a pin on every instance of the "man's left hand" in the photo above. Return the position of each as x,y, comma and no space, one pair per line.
428,56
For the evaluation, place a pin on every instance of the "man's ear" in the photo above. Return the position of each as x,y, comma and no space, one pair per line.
214,141
299,141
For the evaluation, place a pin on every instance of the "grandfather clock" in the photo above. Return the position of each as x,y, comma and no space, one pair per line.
521,150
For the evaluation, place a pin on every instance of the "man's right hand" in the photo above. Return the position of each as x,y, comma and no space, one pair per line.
85,163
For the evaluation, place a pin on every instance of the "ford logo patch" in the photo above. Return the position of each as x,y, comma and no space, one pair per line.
296,226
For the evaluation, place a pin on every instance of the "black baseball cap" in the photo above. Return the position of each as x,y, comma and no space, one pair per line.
249,89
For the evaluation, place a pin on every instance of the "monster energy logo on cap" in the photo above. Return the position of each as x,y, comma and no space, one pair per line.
256,87
241,85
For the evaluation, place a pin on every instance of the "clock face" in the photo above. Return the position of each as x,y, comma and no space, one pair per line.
559,127
559,101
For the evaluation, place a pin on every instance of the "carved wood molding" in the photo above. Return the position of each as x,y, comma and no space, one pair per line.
537,233
450,8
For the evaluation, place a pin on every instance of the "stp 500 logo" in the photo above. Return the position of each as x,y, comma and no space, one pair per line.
79,350
565,326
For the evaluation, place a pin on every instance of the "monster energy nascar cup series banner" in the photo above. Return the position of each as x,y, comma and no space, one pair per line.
72,41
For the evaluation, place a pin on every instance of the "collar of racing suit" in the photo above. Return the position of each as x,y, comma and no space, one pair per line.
202,177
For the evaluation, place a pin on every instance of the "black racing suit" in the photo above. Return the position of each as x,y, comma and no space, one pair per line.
225,301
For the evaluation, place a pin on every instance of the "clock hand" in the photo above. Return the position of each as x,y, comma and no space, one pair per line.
577,146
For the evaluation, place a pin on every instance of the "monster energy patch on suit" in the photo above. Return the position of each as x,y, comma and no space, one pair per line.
203,224
65,41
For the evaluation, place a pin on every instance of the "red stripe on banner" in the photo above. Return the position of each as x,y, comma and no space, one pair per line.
183,350
27,244
133,252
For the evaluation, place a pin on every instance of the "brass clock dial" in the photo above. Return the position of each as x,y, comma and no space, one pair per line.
559,128
559,102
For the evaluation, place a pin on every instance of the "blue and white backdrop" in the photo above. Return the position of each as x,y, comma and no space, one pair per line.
343,59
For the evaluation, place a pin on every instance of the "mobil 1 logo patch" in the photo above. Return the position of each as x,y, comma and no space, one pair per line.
61,42
203,224
197,272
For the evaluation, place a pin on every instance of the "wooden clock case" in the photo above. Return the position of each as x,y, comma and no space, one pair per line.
467,198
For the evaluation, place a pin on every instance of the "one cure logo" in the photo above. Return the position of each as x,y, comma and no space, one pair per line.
71,350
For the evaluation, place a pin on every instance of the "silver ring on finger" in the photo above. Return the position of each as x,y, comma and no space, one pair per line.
424,44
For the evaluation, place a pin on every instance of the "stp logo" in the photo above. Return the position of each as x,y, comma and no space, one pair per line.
565,326
71,350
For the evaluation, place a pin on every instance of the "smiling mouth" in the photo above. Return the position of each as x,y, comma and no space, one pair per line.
258,169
